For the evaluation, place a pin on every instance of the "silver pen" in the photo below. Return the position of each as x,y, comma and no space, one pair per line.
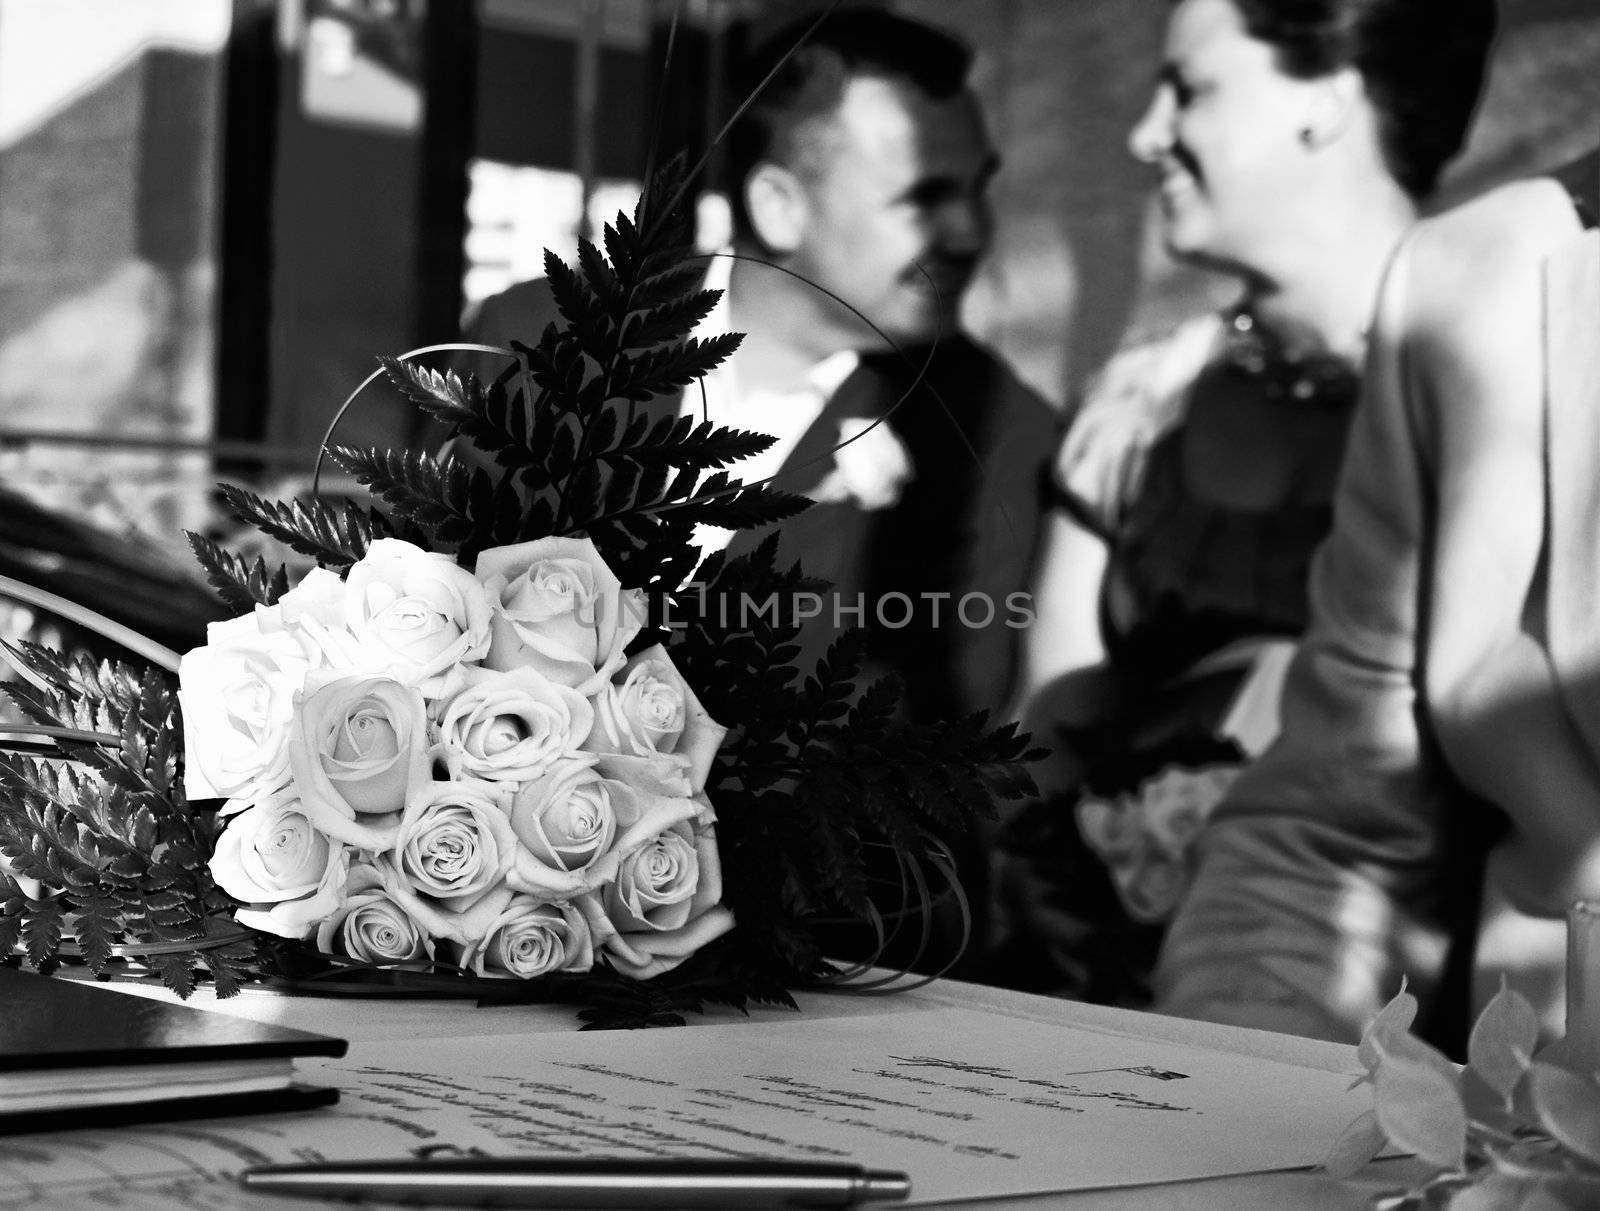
600,1182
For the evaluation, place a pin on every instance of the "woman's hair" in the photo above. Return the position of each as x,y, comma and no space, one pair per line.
1423,62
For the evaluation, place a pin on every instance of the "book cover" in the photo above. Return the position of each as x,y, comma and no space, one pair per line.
76,1054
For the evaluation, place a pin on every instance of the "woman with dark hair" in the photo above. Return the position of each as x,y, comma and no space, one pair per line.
1451,662
1295,140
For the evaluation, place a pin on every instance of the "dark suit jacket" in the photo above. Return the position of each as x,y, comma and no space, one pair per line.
964,530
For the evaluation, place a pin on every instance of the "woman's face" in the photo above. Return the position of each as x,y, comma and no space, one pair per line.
1225,129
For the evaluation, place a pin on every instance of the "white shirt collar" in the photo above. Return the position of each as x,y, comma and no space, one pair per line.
783,414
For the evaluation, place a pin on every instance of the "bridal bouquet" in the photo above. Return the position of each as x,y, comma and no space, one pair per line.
507,726
421,762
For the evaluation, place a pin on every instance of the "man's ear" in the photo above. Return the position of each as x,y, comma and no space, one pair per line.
776,201
1334,102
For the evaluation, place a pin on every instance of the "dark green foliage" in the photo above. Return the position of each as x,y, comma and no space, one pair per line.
106,830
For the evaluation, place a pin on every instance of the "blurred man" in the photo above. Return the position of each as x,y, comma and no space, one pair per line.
859,181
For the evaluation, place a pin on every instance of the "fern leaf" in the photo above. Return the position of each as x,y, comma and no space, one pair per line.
677,441
432,495
598,276
41,932
240,585
739,508
663,286
96,925
334,538
441,394
670,368
589,324
672,319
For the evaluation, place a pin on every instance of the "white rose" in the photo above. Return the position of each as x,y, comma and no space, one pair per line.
651,711
575,825
237,694
373,925
288,872
319,597
527,937
416,612
455,842
661,773
359,745
567,819
560,610
510,726
665,903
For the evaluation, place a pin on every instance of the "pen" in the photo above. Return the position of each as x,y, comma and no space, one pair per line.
597,1182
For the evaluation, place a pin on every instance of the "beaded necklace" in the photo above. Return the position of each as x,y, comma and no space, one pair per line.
1284,374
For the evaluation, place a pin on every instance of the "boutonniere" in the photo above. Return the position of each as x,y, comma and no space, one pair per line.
870,466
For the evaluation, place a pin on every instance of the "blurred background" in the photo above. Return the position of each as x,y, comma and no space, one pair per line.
216,214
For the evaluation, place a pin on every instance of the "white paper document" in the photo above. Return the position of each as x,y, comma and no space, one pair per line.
972,1104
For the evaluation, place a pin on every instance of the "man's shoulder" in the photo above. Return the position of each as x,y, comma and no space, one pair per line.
519,312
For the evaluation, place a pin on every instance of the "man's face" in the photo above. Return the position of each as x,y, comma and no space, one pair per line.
897,213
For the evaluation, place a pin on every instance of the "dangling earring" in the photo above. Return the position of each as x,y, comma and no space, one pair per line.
1307,135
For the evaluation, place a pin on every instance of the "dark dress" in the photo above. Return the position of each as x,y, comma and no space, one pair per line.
1200,608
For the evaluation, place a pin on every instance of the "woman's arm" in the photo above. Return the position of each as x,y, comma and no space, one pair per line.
1065,633
1477,354
1141,393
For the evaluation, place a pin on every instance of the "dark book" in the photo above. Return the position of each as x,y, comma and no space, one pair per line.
74,1054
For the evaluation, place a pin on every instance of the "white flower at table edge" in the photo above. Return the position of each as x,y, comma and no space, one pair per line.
559,609
871,467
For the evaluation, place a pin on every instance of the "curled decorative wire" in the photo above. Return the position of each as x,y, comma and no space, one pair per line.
918,901
79,615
